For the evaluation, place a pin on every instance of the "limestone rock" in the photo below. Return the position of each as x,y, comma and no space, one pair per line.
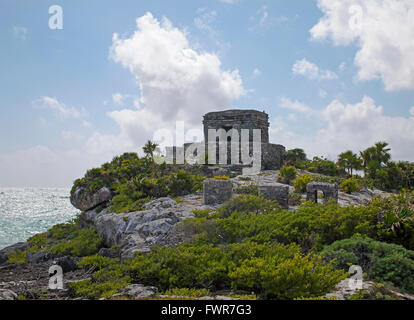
137,291
5,252
6,294
67,263
138,231
217,191
343,290
277,192
84,200
39,257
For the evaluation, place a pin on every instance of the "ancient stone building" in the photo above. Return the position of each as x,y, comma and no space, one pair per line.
240,123
235,133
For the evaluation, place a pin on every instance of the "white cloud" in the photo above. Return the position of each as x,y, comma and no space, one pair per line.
257,72
412,112
176,82
205,20
312,71
20,32
351,126
263,20
382,29
296,106
58,107
120,100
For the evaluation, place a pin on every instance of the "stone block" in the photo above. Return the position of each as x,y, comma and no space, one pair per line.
217,191
277,192
329,190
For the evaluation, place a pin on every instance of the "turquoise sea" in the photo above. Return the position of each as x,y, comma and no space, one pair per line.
25,212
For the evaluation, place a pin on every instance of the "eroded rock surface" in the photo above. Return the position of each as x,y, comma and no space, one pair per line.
84,200
138,231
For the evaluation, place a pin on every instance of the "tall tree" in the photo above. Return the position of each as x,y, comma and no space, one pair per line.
149,149
349,161
376,157
295,156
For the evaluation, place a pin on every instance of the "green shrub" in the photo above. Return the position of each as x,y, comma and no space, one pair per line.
383,262
287,174
186,292
295,199
350,185
201,213
252,189
130,196
301,182
247,203
323,166
96,262
221,178
81,243
274,270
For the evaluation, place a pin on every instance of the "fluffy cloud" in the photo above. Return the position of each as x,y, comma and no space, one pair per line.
350,126
176,82
312,71
382,29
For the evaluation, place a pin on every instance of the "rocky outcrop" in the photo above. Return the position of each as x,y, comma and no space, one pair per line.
84,200
5,252
138,231
137,291
6,294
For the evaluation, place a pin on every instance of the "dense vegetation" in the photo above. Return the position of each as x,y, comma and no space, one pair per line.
135,180
383,262
62,239
375,162
250,244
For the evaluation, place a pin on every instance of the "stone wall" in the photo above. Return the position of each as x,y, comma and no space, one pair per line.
277,192
217,191
329,190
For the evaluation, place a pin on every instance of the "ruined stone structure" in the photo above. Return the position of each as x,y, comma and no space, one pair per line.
330,191
277,192
217,191
244,126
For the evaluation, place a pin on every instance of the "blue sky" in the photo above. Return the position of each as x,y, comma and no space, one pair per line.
73,98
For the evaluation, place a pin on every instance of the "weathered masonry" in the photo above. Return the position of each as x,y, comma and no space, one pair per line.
330,191
237,132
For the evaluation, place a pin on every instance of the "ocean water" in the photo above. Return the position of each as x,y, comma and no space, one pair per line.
25,212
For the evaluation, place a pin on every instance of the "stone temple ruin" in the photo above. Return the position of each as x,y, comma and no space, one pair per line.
233,135
330,191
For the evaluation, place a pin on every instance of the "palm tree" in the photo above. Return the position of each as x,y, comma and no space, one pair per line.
349,161
293,157
375,158
149,149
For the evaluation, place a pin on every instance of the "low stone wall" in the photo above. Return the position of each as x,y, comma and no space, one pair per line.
329,190
217,191
277,192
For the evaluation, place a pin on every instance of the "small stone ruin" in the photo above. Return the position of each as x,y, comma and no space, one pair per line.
277,192
330,191
217,191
